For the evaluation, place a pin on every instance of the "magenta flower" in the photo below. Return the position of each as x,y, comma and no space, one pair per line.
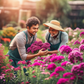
75,69
54,74
51,66
27,82
36,64
76,42
65,49
82,33
81,66
58,69
36,46
7,70
21,62
62,81
64,63
81,47
17,68
67,74
82,42
76,49
75,56
10,60
57,58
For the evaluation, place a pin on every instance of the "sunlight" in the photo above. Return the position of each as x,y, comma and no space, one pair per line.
20,1
34,0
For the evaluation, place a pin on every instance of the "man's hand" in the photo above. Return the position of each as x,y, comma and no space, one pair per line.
41,53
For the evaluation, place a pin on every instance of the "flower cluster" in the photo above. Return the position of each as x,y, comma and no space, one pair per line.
76,42
9,32
82,42
37,46
75,56
82,34
51,66
81,47
65,49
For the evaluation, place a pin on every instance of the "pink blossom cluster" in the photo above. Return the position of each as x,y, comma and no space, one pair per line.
65,49
75,56
37,46
82,33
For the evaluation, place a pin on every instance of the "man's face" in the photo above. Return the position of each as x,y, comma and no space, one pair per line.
53,32
33,29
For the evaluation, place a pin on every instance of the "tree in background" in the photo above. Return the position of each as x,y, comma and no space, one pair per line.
53,9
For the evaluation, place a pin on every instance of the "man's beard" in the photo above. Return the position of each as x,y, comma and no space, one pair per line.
31,34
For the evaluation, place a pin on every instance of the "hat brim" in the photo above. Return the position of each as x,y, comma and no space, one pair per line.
59,28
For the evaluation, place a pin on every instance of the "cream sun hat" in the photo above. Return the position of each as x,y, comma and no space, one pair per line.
54,24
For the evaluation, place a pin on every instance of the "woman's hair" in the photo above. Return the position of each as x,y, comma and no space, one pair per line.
32,21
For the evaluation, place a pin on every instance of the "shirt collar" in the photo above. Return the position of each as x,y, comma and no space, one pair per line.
28,34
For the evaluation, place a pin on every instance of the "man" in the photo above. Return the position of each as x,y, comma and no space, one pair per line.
23,40
55,36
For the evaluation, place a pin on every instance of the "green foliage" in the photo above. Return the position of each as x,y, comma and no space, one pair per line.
39,35
53,9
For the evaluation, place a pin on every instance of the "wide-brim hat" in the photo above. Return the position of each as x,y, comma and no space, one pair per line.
54,24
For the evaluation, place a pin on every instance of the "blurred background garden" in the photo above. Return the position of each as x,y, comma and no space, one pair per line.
14,13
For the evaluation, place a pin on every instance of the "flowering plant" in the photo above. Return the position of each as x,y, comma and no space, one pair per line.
37,45
9,32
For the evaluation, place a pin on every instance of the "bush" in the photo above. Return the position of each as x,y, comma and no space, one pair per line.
9,32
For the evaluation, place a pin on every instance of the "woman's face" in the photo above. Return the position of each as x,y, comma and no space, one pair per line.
52,31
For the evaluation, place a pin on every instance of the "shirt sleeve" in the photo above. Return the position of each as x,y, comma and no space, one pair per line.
20,43
46,37
64,39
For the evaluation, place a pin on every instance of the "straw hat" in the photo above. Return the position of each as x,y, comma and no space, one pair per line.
54,24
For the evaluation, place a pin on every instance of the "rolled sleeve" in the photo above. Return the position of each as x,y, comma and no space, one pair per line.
20,43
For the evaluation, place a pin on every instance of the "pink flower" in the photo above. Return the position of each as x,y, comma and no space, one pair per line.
82,42
81,47
51,66
75,55
34,76
58,69
81,66
7,70
27,82
3,67
62,81
57,58
22,82
76,42
10,60
36,64
65,49
82,34
45,73
17,68
47,78
67,74
75,69
33,71
64,63
73,78
21,62
54,74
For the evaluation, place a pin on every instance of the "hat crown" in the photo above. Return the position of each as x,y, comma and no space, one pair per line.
55,22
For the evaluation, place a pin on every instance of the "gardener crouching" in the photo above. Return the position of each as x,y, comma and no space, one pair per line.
55,36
